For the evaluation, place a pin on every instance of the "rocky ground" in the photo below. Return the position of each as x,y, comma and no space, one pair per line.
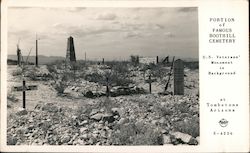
72,118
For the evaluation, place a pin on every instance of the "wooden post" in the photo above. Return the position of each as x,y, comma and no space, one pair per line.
157,59
169,75
107,86
24,96
150,81
103,61
36,52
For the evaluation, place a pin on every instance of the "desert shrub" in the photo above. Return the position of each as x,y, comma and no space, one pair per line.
18,72
67,76
119,66
95,77
83,110
136,134
107,104
79,65
190,127
116,79
60,87
12,98
182,107
192,65
163,111
51,68
59,64
134,60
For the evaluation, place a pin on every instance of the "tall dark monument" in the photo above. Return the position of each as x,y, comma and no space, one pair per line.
70,55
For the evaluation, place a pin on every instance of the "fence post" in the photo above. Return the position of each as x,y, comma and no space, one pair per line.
24,102
149,79
107,86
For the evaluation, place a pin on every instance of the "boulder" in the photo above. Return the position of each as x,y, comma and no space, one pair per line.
166,139
93,112
89,94
108,117
122,121
193,141
65,139
83,129
83,123
162,120
182,136
97,116
116,111
22,112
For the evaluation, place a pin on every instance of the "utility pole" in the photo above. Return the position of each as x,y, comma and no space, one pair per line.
36,51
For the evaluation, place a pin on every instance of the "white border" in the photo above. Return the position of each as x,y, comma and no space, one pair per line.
203,147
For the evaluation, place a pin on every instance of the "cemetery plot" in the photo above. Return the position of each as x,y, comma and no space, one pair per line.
104,104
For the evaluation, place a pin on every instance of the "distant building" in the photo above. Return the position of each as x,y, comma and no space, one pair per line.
70,55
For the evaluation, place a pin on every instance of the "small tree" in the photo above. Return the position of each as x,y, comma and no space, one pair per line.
134,59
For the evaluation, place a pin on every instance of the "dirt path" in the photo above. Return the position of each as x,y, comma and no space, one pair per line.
45,93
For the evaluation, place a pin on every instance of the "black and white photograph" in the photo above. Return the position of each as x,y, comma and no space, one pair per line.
106,76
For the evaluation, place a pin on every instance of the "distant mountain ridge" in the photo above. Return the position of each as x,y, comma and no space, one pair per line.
41,58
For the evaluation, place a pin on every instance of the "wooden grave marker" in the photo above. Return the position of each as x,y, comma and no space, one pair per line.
178,77
24,88
150,81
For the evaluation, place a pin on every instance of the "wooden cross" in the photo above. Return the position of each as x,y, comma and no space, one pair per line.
149,81
24,88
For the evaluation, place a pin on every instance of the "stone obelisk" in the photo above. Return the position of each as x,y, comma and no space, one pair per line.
70,55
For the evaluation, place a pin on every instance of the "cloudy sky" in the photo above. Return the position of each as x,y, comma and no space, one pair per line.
112,33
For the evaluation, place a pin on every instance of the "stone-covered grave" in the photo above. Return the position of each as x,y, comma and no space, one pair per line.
125,120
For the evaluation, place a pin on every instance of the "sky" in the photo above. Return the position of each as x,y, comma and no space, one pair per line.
110,33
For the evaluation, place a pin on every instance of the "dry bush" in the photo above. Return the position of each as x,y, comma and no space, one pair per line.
95,77
182,107
18,72
163,111
107,104
190,127
11,98
117,79
60,87
119,67
136,134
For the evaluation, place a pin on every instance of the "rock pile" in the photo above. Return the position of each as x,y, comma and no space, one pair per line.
123,120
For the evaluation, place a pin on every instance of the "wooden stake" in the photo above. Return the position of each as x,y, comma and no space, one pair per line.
170,73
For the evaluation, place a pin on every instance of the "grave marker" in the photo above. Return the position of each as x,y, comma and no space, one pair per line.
107,87
178,77
24,88
150,81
